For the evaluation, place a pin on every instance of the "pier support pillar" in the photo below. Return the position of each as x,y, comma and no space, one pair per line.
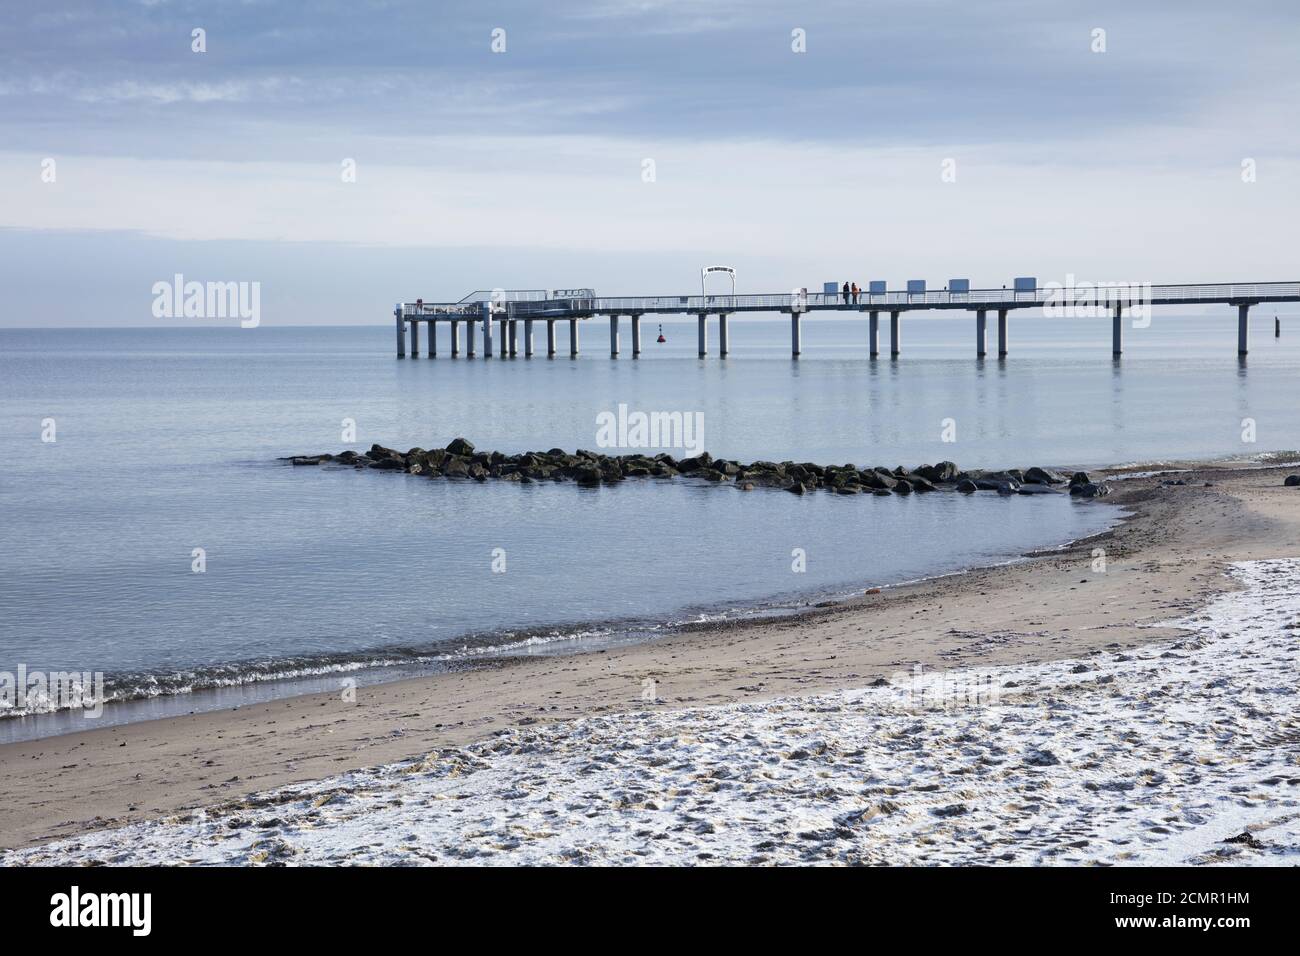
503,328
514,337
636,335
1243,327
1117,332
895,334
723,340
528,338
401,333
573,338
550,338
613,336
487,331
455,337
796,334
873,334
704,334
1002,333
981,333
415,338
433,338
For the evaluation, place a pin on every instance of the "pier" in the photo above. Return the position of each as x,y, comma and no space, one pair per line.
507,309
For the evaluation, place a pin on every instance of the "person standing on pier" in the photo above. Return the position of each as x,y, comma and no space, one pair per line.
855,293
846,293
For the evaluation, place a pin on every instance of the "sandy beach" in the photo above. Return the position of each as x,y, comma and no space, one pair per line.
746,697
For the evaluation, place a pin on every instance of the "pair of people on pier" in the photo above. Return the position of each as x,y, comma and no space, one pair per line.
851,290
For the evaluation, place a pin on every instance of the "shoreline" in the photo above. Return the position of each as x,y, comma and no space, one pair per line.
1165,560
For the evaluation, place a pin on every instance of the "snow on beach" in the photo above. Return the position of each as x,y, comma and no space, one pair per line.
1181,752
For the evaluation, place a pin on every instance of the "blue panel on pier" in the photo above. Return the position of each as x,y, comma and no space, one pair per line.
830,288
1026,284
876,287
915,285
959,285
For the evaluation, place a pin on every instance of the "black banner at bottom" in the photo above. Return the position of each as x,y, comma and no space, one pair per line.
138,905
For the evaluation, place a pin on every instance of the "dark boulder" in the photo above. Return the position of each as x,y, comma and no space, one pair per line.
1091,489
874,479
798,488
1041,476
1080,478
1292,481
455,467
967,487
919,484
1035,488
943,471
460,446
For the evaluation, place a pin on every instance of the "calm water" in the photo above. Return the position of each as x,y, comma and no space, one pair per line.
167,440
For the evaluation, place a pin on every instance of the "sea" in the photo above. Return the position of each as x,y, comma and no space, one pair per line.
154,534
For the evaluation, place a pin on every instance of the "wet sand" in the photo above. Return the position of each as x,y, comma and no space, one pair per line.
1166,561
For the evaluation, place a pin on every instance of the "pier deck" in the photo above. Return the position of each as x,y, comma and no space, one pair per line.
508,308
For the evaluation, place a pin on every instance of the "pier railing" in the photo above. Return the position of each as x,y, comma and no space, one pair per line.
1118,293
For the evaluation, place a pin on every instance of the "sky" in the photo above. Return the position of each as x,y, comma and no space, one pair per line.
347,154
